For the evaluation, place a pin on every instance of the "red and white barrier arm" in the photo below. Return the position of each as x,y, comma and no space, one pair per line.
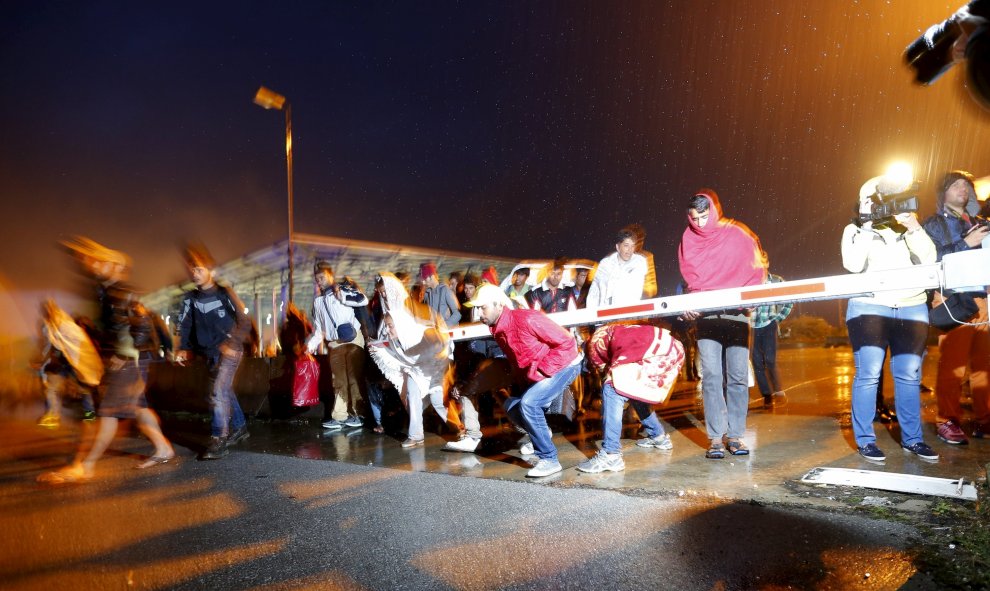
956,270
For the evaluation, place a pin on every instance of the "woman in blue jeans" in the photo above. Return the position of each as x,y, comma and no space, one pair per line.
896,319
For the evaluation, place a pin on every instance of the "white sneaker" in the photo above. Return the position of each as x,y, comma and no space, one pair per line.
659,442
466,444
601,462
544,468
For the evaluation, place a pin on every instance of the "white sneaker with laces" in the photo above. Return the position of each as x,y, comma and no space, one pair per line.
544,468
658,442
601,462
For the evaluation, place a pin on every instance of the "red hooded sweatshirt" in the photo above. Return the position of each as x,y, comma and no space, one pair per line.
723,254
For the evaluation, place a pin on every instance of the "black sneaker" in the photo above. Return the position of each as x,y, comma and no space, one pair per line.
238,436
215,450
871,452
921,450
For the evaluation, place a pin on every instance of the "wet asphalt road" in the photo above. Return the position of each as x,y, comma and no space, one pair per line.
263,521
296,507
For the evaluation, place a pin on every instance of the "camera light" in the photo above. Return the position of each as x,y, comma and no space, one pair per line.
899,174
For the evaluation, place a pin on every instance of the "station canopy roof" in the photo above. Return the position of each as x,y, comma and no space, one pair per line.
260,278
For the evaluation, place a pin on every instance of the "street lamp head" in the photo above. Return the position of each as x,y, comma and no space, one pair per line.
269,99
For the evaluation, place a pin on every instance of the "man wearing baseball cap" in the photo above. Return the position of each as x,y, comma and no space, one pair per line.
547,354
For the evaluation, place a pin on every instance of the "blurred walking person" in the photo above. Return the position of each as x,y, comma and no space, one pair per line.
213,323
121,333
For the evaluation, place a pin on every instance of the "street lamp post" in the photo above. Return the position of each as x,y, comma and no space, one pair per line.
270,99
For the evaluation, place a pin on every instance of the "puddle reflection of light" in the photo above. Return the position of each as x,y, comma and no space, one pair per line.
844,371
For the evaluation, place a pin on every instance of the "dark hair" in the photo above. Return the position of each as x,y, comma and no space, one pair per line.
456,275
321,266
470,278
623,234
635,231
522,271
700,203
196,255
558,263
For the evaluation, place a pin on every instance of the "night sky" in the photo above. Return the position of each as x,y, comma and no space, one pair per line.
521,129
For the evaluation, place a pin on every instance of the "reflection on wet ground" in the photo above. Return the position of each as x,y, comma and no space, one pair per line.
811,429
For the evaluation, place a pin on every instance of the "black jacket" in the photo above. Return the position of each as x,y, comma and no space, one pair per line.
213,317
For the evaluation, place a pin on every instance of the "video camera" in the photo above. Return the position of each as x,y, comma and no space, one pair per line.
887,206
931,54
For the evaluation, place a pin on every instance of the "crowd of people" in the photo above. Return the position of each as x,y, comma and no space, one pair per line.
391,352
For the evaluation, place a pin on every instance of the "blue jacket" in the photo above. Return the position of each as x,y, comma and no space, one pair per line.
947,229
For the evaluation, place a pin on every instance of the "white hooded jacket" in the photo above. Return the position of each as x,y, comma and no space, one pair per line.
420,351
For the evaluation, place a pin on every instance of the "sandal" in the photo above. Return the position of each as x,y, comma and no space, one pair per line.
71,474
737,447
155,461
716,451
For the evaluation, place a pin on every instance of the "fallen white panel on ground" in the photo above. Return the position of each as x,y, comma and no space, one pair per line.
906,483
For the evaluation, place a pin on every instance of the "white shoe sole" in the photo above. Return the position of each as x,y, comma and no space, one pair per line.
534,474
452,446
607,469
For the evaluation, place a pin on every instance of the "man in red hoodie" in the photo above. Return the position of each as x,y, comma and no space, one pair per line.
721,253
546,353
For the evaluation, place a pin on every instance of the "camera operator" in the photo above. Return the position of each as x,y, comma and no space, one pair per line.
895,319
955,228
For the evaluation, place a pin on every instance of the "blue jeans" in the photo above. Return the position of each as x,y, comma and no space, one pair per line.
612,403
724,343
764,356
376,400
872,329
227,413
529,410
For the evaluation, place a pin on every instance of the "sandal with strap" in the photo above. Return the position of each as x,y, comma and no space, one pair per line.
737,447
715,452
156,461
